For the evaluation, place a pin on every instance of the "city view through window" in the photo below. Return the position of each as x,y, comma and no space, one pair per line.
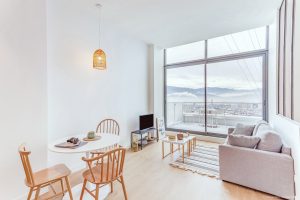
234,86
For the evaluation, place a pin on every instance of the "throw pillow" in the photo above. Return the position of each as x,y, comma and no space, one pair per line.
270,141
243,141
242,129
261,127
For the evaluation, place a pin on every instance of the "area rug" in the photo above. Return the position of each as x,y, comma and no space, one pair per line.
203,160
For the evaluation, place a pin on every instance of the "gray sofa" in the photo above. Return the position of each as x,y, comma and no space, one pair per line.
265,171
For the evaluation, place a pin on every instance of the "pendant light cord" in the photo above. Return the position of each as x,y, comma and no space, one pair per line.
99,28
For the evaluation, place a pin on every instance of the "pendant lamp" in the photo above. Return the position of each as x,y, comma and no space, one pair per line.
99,58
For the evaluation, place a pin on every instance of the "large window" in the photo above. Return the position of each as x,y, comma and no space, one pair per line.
185,53
213,85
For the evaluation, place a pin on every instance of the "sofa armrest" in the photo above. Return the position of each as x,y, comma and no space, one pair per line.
230,130
265,171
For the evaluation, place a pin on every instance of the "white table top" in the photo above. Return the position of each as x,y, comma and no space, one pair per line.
176,141
106,140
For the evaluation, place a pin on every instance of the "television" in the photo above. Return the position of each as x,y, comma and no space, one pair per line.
146,121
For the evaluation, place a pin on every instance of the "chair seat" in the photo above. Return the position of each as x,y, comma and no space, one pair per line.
107,176
53,173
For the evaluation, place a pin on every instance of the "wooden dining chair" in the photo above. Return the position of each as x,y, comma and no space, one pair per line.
108,126
46,177
104,170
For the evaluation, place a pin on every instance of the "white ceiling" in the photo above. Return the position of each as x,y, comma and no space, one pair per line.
168,23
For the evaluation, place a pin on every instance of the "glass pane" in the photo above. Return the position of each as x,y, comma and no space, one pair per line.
238,42
188,52
185,98
234,93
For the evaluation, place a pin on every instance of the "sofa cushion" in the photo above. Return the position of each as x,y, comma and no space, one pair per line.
242,129
243,141
261,127
270,141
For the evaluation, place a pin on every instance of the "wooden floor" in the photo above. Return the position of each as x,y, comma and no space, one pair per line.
148,177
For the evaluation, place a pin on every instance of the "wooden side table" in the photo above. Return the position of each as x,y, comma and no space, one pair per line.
190,141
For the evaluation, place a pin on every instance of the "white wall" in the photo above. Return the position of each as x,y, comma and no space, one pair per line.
23,91
157,67
288,129
79,97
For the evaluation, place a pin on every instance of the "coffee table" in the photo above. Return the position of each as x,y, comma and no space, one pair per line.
190,141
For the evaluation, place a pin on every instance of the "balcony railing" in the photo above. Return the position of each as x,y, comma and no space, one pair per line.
220,115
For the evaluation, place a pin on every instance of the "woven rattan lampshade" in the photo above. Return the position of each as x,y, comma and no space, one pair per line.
99,60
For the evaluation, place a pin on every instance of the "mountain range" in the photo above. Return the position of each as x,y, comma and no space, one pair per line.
216,94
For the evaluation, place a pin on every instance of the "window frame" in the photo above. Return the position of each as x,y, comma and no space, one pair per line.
264,53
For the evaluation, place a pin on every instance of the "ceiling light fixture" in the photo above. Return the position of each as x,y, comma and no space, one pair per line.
99,58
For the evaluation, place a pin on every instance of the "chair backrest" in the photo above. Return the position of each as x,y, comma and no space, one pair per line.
108,126
107,167
24,154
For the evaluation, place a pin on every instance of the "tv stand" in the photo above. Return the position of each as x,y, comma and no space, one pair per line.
141,133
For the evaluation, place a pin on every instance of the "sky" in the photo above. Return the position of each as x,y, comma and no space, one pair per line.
237,74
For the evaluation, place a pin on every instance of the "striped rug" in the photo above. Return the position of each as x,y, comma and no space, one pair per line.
203,160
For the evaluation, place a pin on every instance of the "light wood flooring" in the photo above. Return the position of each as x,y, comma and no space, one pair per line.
149,177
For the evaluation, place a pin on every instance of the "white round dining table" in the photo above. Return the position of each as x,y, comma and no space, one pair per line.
106,140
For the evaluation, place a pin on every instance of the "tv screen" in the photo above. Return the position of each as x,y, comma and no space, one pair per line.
146,121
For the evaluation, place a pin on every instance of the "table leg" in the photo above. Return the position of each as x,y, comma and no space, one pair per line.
183,153
141,141
172,148
189,148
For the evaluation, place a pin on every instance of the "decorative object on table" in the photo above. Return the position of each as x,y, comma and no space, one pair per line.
71,143
94,139
203,160
160,127
44,178
135,146
73,140
91,135
99,58
180,136
172,137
